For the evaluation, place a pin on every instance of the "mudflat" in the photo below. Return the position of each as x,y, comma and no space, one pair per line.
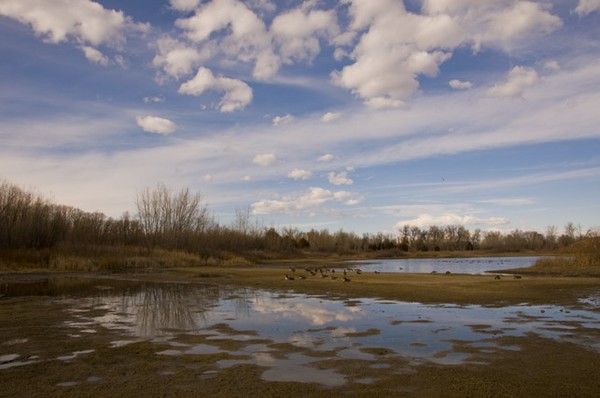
424,288
93,365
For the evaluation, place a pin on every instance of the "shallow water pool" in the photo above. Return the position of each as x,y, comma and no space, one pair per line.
290,335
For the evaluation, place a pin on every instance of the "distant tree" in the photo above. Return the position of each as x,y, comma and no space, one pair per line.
476,238
568,237
492,240
170,219
551,237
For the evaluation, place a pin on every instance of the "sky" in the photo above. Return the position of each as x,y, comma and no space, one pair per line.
360,115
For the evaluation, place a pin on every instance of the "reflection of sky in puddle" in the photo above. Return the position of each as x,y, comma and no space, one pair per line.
444,334
441,265
291,335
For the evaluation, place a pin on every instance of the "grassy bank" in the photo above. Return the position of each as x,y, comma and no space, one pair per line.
424,288
94,258
100,258
580,259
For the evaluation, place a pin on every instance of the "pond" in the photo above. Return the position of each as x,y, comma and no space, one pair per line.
287,334
479,265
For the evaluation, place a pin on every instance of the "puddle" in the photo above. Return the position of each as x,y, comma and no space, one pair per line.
13,364
67,384
15,342
8,358
74,355
291,335
199,349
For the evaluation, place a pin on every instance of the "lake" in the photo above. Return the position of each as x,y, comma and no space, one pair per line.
479,265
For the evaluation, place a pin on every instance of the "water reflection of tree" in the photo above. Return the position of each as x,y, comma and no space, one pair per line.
243,300
158,308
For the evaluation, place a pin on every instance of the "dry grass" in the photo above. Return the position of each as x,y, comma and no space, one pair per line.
581,258
108,258
424,288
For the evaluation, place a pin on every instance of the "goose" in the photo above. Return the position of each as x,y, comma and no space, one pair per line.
346,279
289,278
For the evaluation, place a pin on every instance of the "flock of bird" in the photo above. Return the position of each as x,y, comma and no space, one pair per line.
343,275
329,273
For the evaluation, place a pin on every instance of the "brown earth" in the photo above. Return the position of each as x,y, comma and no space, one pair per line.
541,367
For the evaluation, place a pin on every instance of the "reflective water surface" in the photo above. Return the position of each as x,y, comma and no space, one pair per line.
479,265
289,335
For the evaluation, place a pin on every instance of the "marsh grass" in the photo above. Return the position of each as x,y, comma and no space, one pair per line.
581,258
97,258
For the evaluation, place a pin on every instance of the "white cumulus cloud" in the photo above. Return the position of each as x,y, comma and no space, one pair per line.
299,174
184,5
426,220
521,20
330,116
176,59
500,23
585,7
282,120
158,125
396,47
84,21
237,93
94,55
311,202
518,79
339,178
296,33
264,159
460,85
552,65
155,99
244,35
328,157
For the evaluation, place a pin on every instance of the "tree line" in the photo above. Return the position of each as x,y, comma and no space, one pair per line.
180,221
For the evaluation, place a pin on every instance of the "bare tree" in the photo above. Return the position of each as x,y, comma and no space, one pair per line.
170,219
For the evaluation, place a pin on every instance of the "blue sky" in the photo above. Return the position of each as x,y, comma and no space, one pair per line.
362,115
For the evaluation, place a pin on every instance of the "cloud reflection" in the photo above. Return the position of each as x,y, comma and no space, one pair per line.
313,311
